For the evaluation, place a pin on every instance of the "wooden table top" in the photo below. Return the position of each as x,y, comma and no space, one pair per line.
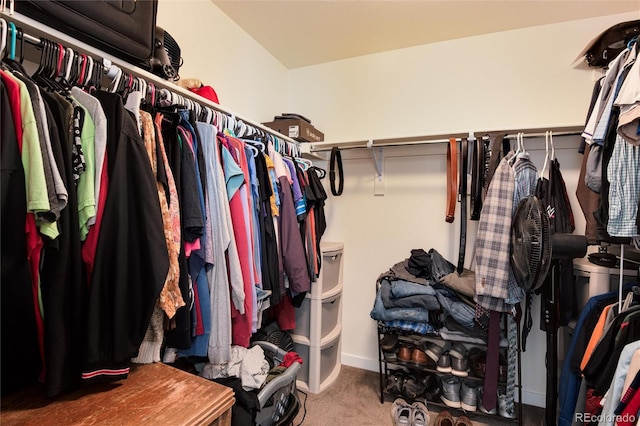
153,394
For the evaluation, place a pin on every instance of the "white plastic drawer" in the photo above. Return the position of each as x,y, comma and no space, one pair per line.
303,319
330,272
303,351
331,314
329,359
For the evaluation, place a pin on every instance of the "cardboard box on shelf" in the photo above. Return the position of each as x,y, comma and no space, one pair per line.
296,129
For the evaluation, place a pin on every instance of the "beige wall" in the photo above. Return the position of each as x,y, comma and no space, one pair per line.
248,80
507,80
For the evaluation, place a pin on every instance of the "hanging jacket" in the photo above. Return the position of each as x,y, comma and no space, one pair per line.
131,259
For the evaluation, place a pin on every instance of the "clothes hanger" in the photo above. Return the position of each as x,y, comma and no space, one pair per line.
73,75
12,41
515,154
116,81
82,66
304,163
21,37
523,152
253,149
70,56
256,143
546,156
88,71
3,36
322,173
553,150
151,93
42,74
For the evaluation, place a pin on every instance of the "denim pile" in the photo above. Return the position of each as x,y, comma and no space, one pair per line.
414,303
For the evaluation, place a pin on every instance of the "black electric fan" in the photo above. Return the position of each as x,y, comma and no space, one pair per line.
530,244
533,250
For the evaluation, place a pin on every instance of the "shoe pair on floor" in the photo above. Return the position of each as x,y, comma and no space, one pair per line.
405,414
446,419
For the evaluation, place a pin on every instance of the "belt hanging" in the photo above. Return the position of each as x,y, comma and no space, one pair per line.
496,140
336,156
462,195
477,179
452,171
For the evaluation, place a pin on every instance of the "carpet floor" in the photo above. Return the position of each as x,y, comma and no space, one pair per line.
354,399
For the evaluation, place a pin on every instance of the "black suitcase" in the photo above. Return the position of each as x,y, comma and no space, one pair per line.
123,28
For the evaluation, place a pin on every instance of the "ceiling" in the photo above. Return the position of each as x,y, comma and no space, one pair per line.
308,32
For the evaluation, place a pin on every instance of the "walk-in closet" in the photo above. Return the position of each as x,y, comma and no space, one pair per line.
403,212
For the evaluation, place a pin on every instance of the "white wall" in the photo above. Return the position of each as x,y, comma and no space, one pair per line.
248,80
509,80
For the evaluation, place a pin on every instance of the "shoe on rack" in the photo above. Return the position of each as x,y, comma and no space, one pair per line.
389,343
458,350
418,357
412,388
459,367
444,363
444,418
481,407
395,380
390,356
464,421
419,414
469,395
404,353
434,350
401,412
434,388
503,410
451,391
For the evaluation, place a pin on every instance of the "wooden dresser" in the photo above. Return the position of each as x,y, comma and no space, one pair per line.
154,394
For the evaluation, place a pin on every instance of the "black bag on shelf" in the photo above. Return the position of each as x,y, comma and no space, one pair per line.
124,28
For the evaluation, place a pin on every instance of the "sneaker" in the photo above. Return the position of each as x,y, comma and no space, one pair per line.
444,363
503,410
459,367
419,414
481,407
469,395
401,412
458,350
451,391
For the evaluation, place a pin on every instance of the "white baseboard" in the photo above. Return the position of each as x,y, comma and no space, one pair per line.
360,362
536,399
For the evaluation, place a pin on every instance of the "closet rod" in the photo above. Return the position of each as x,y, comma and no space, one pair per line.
442,138
31,27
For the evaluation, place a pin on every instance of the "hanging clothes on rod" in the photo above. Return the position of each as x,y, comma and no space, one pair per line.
145,225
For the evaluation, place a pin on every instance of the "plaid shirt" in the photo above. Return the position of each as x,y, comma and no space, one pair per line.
624,181
493,240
